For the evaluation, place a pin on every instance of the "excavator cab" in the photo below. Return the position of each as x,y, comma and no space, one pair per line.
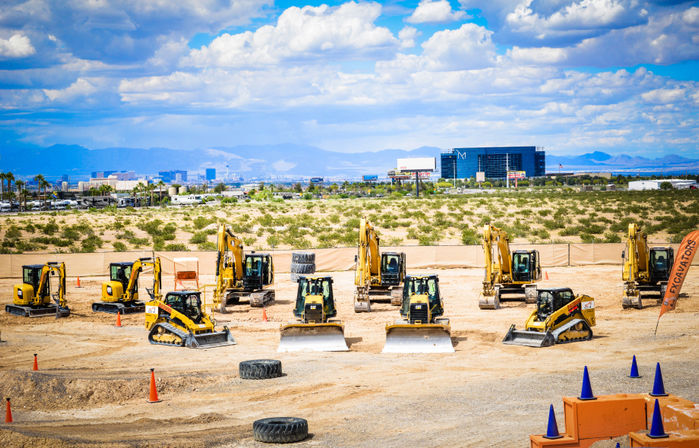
257,271
119,274
661,261
31,276
392,268
550,300
187,303
525,266
417,292
33,296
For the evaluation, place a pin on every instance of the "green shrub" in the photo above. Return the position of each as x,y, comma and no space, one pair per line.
176,247
119,246
13,232
198,238
469,236
207,245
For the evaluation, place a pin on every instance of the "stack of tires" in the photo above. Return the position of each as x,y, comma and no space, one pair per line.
302,263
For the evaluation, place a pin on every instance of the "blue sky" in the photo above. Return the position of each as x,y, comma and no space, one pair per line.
572,76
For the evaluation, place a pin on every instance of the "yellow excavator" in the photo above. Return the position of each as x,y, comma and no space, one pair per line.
421,329
179,320
314,329
646,269
511,273
240,275
33,297
560,316
377,274
120,293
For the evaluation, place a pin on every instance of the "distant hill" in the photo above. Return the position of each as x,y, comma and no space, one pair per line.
601,162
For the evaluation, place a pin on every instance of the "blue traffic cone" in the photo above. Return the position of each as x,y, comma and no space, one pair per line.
634,369
658,386
552,430
617,445
656,428
586,393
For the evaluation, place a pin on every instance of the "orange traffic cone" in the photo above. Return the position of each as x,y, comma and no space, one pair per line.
36,363
78,283
118,323
264,315
547,274
153,396
8,413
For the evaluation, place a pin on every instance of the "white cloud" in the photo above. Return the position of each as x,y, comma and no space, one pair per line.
435,11
80,88
540,55
17,46
283,165
465,48
303,35
407,37
664,96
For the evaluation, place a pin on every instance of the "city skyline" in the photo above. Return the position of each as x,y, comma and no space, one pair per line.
571,76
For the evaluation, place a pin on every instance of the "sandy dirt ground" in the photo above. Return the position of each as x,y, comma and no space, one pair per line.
92,385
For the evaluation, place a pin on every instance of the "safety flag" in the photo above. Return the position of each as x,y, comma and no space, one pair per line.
683,261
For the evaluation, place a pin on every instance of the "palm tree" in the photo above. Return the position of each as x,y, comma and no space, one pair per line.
21,193
150,188
161,184
9,177
2,186
40,180
136,191
105,189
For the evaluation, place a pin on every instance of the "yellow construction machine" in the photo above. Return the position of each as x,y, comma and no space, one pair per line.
120,293
646,269
314,329
240,275
421,329
511,273
180,320
560,316
377,275
33,297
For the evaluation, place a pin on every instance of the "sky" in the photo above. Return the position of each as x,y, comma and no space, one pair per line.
571,76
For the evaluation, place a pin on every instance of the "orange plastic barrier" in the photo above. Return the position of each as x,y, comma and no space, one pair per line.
679,414
684,439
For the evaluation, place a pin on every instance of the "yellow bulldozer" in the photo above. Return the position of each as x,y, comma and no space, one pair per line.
646,269
33,297
421,328
239,275
378,276
314,329
560,316
120,293
507,273
179,320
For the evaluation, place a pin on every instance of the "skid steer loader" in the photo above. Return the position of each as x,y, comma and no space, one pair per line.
33,297
421,329
559,317
314,331
120,293
179,320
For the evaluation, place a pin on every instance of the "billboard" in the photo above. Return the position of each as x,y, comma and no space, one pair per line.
480,176
316,180
516,174
417,164
370,178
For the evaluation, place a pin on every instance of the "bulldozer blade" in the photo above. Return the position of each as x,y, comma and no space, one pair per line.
326,337
528,338
418,338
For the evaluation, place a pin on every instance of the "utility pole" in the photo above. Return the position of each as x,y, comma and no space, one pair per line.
507,169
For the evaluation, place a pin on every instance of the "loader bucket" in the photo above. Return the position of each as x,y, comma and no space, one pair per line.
209,340
325,337
418,338
528,338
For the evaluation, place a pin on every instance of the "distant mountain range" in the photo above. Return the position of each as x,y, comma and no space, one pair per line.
284,161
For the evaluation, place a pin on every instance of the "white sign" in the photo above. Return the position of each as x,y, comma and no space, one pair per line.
417,164
588,305
150,309
480,176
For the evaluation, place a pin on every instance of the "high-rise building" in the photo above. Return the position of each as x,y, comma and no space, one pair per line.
173,176
462,163
210,174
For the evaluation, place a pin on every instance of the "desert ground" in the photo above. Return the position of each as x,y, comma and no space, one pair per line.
93,377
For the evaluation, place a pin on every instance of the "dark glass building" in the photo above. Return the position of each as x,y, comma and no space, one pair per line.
462,163
210,174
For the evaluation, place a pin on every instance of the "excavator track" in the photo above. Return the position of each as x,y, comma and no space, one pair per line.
28,311
119,307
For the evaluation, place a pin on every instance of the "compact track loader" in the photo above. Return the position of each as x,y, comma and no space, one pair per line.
507,273
421,329
120,293
646,269
378,276
179,320
314,330
559,317
33,297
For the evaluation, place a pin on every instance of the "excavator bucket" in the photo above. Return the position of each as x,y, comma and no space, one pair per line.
324,337
528,338
491,302
403,337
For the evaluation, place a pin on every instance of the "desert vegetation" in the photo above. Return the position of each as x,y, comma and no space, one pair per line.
529,217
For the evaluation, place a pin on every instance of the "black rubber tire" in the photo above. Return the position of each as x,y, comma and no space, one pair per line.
303,257
303,268
280,429
260,369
